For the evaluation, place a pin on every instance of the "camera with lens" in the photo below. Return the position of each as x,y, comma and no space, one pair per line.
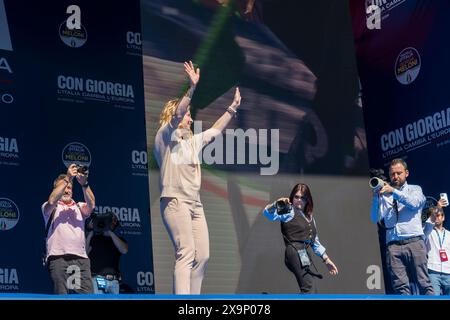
102,222
84,170
283,207
377,178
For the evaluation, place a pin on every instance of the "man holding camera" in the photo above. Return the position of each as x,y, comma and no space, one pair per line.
105,247
66,256
399,206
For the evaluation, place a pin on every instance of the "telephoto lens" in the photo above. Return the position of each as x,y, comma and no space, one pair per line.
102,222
376,183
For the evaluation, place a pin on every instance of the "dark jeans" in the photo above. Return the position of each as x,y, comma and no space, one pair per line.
407,263
304,279
70,274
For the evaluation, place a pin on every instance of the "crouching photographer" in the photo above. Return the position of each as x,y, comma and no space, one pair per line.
105,247
298,228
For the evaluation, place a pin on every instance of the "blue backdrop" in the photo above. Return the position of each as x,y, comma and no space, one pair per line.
71,96
403,68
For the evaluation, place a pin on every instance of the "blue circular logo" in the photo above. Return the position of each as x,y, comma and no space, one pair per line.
74,38
9,214
407,66
76,153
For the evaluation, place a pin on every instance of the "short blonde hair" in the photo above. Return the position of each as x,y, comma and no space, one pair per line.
168,112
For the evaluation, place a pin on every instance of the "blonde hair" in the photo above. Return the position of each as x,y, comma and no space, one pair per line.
168,112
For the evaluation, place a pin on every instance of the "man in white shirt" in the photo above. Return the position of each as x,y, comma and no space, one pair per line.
438,247
66,251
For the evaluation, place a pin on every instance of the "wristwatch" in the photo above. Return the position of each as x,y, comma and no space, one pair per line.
85,185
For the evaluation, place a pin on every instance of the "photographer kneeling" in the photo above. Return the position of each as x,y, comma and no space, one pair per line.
105,248
299,232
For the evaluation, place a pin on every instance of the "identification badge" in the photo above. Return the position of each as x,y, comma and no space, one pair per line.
443,255
304,258
101,283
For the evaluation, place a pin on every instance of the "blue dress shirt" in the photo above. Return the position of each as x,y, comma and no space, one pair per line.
410,200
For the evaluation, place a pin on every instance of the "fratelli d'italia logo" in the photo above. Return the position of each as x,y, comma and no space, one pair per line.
77,153
71,31
9,214
407,66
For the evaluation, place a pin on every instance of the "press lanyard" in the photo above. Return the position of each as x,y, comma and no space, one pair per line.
439,238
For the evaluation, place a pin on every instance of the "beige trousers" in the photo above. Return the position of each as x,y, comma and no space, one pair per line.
186,224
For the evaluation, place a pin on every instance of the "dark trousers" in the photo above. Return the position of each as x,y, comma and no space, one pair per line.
70,274
407,263
304,279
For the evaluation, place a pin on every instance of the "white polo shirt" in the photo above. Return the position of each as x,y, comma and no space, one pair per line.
66,234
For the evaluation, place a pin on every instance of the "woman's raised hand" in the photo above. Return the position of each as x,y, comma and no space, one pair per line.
192,73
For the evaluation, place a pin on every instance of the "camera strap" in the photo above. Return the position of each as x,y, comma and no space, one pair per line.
395,206
382,224
47,228
49,222
79,208
308,270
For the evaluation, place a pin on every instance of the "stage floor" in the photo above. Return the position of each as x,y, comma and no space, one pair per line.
33,296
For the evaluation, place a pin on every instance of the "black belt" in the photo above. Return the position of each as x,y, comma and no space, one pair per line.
405,241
